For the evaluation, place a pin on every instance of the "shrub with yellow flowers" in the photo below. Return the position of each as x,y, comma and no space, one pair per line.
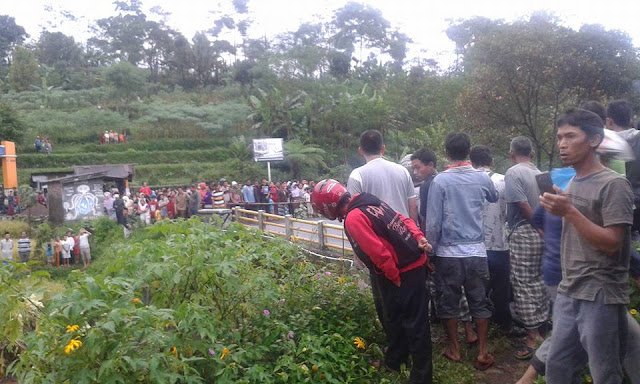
231,307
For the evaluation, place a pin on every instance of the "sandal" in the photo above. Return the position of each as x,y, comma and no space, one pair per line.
524,353
484,365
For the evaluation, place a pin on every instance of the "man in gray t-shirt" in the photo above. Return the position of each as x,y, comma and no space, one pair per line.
589,314
530,300
520,187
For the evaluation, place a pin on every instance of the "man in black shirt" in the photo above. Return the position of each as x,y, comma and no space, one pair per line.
424,163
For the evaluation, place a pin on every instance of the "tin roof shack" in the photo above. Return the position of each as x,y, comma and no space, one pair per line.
119,173
81,196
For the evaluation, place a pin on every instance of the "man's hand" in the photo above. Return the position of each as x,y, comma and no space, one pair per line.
424,245
558,205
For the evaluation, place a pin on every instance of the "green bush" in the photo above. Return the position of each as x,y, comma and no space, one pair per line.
185,303
14,227
129,157
148,145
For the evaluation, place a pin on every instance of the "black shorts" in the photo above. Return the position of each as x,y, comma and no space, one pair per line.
453,273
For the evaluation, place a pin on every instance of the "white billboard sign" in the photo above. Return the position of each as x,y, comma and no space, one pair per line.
268,150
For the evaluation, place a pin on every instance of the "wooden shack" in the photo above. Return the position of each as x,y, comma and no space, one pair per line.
81,196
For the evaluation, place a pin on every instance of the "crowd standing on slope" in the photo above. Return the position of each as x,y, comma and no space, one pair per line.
548,263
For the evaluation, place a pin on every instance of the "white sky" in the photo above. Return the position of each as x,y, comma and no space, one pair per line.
424,21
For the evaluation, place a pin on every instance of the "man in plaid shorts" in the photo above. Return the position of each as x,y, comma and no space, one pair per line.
530,300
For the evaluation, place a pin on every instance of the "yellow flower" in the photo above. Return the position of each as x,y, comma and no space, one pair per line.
72,328
72,346
314,368
633,312
359,343
224,353
341,280
589,380
174,351
136,301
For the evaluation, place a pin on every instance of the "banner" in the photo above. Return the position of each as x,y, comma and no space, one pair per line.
268,150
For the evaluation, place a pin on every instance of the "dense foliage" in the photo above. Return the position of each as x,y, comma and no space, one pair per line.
185,303
320,85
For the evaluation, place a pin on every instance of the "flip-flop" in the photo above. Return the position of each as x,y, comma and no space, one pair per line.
483,366
528,352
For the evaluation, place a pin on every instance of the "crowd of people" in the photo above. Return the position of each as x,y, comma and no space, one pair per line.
73,248
150,205
42,144
113,137
9,202
546,257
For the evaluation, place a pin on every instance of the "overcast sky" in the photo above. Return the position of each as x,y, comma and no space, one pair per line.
424,21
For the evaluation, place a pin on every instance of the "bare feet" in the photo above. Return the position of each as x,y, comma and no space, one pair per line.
484,362
452,354
470,334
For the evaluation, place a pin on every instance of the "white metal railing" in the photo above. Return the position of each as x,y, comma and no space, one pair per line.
319,234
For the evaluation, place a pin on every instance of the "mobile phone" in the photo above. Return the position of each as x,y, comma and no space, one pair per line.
545,184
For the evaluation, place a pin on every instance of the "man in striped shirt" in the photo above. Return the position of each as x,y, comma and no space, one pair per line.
24,247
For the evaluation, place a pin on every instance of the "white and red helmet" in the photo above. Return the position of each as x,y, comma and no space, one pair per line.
327,197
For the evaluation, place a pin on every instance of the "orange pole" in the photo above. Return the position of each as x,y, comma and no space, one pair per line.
9,170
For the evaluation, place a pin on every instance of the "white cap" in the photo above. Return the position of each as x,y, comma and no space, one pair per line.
234,183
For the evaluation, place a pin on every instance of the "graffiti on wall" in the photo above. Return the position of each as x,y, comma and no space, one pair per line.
83,200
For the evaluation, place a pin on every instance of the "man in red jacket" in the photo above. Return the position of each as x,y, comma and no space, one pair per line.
394,251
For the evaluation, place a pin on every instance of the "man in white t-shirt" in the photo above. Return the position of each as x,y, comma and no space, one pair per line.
388,181
6,245
85,249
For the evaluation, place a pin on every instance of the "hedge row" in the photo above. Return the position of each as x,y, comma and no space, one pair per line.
152,145
128,157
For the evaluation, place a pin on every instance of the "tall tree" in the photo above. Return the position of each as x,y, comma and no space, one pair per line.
359,25
11,35
23,72
11,127
60,52
522,75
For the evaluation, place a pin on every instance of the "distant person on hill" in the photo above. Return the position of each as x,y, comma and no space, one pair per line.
6,245
144,211
145,189
37,144
57,250
194,201
24,247
182,203
67,248
85,248
247,195
119,207
76,249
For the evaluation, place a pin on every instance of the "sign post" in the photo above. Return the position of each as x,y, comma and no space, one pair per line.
268,150
269,170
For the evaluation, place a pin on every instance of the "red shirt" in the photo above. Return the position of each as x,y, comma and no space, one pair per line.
146,191
381,253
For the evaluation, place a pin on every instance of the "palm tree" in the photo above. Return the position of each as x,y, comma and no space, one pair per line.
298,154
240,151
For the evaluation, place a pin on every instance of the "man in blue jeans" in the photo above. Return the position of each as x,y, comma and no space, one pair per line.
455,225
590,323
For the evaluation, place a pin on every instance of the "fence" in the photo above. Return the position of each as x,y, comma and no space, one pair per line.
319,234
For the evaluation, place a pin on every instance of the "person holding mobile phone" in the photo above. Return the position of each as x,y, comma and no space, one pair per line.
590,322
